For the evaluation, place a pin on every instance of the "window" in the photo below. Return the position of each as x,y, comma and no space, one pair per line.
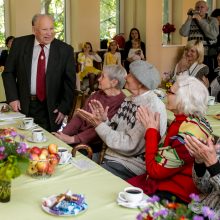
167,16
2,24
57,9
109,18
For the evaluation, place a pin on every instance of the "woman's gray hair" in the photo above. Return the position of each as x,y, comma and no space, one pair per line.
117,72
191,96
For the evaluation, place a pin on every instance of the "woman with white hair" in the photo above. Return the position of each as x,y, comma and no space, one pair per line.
78,131
123,134
191,62
168,162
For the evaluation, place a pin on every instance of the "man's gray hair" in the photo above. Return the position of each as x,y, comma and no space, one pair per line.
37,16
191,96
117,72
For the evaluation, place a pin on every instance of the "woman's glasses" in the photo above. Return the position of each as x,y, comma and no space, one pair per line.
170,92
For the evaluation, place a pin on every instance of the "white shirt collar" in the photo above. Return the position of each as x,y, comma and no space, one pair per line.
36,43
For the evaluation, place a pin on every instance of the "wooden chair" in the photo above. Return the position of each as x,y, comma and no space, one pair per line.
89,151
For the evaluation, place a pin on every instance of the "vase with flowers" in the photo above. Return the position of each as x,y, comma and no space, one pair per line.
167,29
173,211
14,159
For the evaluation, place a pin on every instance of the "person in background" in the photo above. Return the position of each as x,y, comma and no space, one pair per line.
206,173
215,85
78,131
39,75
134,34
4,53
86,58
191,62
135,53
113,56
199,26
168,162
123,134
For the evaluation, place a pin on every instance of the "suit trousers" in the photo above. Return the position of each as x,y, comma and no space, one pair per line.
38,110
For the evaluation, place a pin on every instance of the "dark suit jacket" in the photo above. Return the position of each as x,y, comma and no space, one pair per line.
60,75
3,57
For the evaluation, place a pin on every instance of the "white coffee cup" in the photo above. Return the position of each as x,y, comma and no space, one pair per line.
38,135
131,194
211,100
63,153
27,122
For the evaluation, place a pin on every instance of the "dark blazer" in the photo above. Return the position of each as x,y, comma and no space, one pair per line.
3,57
60,75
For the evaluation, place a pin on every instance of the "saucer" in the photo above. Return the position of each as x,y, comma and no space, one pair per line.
132,205
23,128
31,140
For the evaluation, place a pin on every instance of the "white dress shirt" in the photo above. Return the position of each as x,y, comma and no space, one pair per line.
36,52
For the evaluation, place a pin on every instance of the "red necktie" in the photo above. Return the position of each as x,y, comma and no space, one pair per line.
41,76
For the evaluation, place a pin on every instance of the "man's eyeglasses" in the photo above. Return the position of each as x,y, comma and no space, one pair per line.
170,92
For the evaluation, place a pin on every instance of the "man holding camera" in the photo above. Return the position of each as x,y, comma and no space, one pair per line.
199,26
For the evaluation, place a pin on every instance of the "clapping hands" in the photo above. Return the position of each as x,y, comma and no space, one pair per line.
148,118
202,151
98,115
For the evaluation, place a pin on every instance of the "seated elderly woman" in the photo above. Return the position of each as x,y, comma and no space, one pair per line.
123,135
206,174
111,82
168,162
191,62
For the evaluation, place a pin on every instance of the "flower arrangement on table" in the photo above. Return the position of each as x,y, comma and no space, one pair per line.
167,29
172,210
14,159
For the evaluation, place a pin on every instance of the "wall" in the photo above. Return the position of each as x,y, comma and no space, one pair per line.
20,16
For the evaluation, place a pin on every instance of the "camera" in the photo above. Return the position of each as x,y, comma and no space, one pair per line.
193,12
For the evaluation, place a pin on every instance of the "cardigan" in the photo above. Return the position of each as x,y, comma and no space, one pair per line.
170,163
126,144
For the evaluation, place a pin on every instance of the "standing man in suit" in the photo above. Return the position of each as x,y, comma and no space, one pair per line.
46,97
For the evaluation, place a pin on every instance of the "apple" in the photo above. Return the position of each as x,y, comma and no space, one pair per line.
32,169
34,158
53,148
54,159
44,151
43,157
50,169
42,166
35,150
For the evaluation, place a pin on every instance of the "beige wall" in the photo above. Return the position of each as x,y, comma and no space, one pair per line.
21,13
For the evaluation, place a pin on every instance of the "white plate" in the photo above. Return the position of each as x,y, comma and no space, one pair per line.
51,212
31,140
132,205
23,128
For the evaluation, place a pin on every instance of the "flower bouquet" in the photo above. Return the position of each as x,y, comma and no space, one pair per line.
14,160
172,210
167,29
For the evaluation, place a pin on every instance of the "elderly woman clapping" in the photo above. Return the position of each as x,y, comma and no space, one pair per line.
123,134
168,162
206,174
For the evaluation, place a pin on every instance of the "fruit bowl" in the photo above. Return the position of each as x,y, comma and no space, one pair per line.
42,163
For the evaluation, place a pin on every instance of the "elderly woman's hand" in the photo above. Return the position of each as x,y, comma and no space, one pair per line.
98,115
148,118
203,152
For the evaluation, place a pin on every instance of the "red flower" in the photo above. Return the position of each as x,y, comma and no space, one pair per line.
168,28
